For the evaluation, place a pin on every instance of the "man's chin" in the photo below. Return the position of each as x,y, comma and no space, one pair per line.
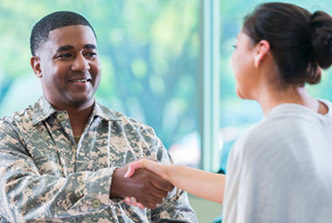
84,102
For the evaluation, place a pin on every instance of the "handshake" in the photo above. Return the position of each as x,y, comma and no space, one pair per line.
142,183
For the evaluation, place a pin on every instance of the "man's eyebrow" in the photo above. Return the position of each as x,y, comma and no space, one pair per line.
90,46
64,48
70,47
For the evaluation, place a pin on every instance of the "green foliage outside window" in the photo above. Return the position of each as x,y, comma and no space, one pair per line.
149,52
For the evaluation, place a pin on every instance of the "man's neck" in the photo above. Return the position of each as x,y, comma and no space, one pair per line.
79,118
78,114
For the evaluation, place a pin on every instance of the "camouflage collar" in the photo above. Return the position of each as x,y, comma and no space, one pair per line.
105,113
43,109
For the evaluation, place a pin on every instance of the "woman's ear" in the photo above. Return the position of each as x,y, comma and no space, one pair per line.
263,48
35,64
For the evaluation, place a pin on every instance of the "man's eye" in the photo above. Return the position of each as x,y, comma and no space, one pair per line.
64,56
90,54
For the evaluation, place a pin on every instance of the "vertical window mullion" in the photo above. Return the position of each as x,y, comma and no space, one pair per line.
209,85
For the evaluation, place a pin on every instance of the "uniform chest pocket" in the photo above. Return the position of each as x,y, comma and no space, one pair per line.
46,159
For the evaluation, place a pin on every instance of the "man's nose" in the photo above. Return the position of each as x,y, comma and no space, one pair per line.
80,64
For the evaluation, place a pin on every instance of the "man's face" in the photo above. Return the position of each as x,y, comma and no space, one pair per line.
68,66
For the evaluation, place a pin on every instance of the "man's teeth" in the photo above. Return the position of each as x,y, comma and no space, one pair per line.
81,81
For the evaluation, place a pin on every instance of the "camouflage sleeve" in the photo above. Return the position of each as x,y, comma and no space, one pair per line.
25,195
176,207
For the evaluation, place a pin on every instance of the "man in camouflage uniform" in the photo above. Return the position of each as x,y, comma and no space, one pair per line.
64,158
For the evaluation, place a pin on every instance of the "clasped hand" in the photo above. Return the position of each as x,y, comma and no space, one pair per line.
142,188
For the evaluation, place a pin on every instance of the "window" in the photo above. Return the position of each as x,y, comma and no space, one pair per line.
149,51
237,115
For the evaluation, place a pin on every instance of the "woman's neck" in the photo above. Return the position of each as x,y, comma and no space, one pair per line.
271,97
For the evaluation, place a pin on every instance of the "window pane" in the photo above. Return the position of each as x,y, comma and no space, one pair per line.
149,51
237,115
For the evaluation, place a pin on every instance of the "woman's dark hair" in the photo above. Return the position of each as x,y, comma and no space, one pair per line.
299,40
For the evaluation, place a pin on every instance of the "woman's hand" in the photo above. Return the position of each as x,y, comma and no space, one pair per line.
132,201
203,184
152,166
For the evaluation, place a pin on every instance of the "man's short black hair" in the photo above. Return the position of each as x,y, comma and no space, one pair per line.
55,20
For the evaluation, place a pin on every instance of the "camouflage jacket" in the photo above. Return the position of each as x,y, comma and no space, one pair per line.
46,177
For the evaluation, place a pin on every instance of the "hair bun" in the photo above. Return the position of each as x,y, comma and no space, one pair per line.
321,25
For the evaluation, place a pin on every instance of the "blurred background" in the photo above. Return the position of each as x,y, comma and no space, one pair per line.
164,62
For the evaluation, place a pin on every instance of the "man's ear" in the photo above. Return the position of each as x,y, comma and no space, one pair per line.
263,47
35,64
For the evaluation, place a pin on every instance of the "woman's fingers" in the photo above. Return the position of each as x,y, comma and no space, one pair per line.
150,165
132,201
140,205
133,167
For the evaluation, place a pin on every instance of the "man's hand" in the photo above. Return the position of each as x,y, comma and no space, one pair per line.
148,188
